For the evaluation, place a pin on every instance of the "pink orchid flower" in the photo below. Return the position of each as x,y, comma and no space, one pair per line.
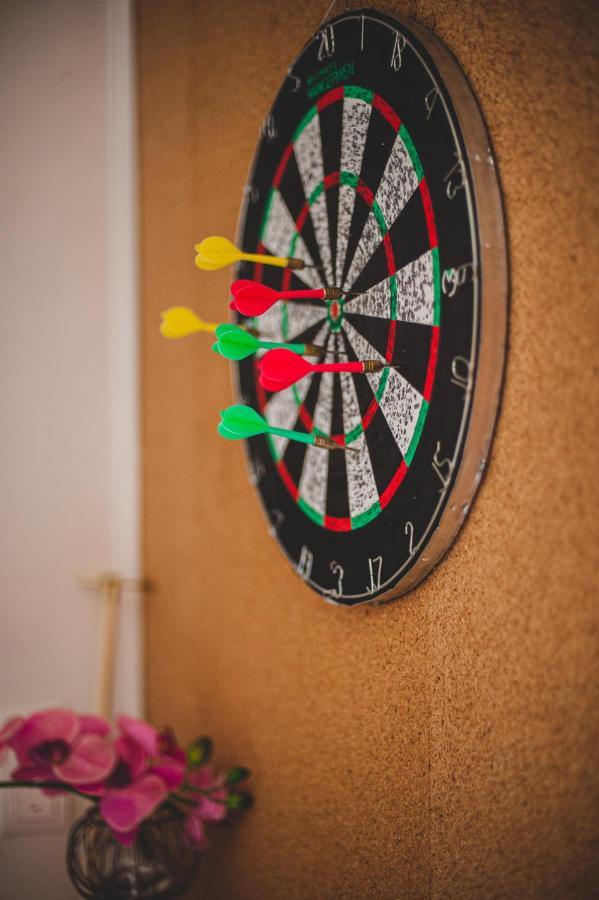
56,744
8,730
149,765
208,808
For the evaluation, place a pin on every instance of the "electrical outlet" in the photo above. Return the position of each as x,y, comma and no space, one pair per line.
27,811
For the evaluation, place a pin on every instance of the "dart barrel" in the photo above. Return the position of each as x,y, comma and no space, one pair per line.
372,365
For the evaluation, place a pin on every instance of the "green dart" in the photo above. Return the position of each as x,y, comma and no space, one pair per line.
241,422
235,343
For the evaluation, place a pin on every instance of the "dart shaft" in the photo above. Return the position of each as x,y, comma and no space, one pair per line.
317,440
282,262
366,366
273,345
317,294
324,293
338,367
301,436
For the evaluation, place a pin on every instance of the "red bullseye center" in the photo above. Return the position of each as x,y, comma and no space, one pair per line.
335,315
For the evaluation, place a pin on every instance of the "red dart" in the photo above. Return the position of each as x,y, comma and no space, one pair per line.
284,368
253,298
272,386
241,284
238,286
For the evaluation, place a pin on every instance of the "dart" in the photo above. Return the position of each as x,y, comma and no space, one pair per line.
254,299
216,252
235,343
179,321
274,386
240,422
279,369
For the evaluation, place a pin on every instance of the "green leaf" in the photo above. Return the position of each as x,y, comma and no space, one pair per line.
240,800
199,752
237,774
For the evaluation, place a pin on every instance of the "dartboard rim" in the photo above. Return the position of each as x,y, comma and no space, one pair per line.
492,305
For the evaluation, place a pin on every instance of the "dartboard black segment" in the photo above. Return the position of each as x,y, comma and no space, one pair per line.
366,171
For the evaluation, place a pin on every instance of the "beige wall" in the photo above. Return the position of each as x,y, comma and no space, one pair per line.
68,403
445,745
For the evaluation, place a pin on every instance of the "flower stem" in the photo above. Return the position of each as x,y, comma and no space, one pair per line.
206,792
55,785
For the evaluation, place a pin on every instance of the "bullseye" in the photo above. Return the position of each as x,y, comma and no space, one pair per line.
335,315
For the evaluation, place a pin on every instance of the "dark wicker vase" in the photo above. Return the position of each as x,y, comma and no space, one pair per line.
160,863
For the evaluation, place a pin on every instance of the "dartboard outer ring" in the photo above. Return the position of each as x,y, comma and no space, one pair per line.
493,285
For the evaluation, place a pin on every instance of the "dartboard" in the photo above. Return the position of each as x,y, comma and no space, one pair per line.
373,168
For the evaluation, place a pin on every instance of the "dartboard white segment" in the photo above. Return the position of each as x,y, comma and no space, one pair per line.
415,294
313,481
361,486
269,324
300,316
397,185
375,302
369,241
416,290
308,153
361,347
401,405
354,129
285,321
279,235
281,411
399,402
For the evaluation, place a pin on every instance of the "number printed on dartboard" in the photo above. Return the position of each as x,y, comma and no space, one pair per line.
364,175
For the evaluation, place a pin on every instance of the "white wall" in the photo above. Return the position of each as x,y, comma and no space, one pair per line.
68,370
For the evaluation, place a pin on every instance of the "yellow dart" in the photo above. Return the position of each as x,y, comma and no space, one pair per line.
216,252
179,321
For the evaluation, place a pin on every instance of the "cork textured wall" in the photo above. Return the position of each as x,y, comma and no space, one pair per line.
444,745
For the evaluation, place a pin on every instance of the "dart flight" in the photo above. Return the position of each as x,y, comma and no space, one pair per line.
179,322
217,252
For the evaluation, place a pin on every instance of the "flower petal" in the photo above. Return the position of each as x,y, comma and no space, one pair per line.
10,728
91,759
32,773
171,772
124,809
210,809
195,831
42,727
93,724
132,754
143,734
97,789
